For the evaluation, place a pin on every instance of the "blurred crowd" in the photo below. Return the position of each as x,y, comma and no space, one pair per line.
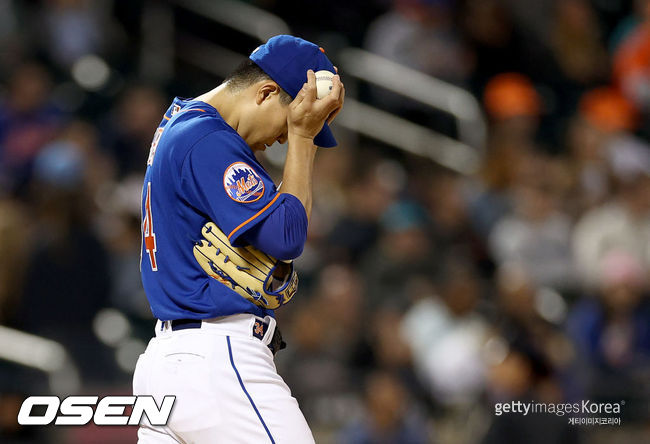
426,296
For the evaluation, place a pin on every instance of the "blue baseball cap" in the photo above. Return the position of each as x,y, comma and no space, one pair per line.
286,59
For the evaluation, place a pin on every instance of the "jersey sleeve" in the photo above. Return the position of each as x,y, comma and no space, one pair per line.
283,233
221,178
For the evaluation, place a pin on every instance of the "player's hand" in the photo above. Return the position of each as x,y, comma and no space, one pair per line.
331,117
307,114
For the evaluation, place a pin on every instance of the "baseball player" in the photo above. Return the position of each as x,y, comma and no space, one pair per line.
218,240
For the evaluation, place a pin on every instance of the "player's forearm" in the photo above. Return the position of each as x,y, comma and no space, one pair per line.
298,170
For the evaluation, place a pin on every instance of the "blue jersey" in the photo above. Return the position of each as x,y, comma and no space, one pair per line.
199,169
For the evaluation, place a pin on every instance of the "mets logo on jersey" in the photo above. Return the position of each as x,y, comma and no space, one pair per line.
242,183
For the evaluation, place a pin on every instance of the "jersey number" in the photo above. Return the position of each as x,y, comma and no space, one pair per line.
147,230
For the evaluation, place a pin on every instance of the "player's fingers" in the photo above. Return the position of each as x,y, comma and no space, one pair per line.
333,115
342,94
311,77
300,96
311,85
333,100
337,85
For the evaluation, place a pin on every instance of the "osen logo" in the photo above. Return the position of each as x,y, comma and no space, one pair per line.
80,410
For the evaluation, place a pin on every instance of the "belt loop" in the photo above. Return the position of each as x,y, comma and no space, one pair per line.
268,335
162,330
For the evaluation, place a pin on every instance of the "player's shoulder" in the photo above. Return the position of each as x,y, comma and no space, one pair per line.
194,123
191,120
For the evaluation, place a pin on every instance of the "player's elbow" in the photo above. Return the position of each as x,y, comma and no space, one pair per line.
295,229
292,241
285,246
292,250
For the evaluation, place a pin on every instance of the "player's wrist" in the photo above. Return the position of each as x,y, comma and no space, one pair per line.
296,138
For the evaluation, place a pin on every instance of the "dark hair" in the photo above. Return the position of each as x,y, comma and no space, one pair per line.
248,73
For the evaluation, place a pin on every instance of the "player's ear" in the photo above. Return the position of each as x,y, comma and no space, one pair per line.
266,91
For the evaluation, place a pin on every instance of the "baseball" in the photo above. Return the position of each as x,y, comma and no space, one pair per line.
323,83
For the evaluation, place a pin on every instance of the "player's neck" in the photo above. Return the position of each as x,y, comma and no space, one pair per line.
230,107
224,102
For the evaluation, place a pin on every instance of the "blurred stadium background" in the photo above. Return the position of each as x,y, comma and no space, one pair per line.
481,234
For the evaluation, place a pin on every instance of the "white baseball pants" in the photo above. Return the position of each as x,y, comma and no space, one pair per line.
226,386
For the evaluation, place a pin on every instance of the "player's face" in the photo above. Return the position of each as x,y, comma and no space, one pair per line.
271,122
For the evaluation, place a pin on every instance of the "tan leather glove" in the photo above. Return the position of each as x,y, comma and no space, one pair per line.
260,278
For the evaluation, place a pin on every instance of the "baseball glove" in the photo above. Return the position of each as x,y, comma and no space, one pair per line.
260,278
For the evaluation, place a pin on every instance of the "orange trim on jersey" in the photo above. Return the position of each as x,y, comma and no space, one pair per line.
167,118
254,216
